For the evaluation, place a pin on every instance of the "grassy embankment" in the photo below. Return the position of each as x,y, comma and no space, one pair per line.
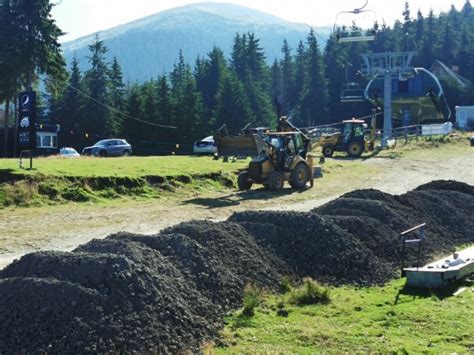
58,180
385,319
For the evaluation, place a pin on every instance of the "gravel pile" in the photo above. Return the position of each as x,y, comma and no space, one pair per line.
314,246
168,292
377,218
118,297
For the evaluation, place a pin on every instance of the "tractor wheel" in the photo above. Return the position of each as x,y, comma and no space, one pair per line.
299,176
243,181
275,181
328,151
355,149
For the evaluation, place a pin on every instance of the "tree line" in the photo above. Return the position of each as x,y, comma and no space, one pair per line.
167,113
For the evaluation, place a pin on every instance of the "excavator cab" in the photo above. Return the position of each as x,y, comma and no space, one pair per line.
283,158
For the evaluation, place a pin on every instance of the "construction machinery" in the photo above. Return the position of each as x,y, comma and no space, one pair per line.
282,156
349,139
349,136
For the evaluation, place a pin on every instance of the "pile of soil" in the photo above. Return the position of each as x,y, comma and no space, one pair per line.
168,292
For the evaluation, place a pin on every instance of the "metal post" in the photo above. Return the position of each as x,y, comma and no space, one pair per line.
403,256
31,160
387,110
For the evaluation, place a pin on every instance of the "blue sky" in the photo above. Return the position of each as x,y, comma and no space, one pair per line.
82,17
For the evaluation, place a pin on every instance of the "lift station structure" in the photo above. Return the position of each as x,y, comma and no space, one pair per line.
388,65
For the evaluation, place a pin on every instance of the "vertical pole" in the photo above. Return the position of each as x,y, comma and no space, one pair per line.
403,255
418,256
15,123
6,128
31,160
387,110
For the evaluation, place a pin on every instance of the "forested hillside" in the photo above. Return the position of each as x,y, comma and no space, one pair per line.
149,46
169,111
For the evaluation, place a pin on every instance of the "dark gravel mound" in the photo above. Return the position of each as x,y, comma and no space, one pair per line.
141,302
167,293
236,250
449,185
445,206
315,246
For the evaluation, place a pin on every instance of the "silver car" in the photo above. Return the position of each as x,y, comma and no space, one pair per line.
68,152
109,148
205,146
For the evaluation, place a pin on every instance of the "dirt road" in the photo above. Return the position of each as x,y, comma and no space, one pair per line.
24,230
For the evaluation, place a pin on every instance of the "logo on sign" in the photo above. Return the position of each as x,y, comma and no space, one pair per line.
25,122
25,100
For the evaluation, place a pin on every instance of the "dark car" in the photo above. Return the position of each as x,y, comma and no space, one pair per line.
109,148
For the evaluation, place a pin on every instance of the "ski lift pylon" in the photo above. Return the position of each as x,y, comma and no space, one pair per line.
353,33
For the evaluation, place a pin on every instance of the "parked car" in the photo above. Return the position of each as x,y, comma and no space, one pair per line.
205,146
68,152
109,148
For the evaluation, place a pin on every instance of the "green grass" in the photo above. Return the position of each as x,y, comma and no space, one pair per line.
385,319
123,167
57,180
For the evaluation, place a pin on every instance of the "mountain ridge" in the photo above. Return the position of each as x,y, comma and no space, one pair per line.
149,46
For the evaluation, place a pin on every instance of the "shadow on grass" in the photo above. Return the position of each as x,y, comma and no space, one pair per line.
234,199
439,293
373,154
243,321
8,175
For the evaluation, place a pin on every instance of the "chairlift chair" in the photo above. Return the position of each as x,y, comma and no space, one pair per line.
352,93
353,33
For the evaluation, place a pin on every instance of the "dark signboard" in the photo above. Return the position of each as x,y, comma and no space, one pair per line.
27,121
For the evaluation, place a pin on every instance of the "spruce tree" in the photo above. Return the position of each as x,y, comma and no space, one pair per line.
300,74
312,107
232,105
34,35
288,80
132,129
164,109
211,73
117,91
428,48
71,107
97,120
187,102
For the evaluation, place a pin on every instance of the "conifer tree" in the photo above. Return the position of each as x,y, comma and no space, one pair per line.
288,79
71,107
97,119
312,107
117,90
232,105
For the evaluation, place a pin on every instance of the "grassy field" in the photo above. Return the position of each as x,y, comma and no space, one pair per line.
56,180
122,167
387,319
